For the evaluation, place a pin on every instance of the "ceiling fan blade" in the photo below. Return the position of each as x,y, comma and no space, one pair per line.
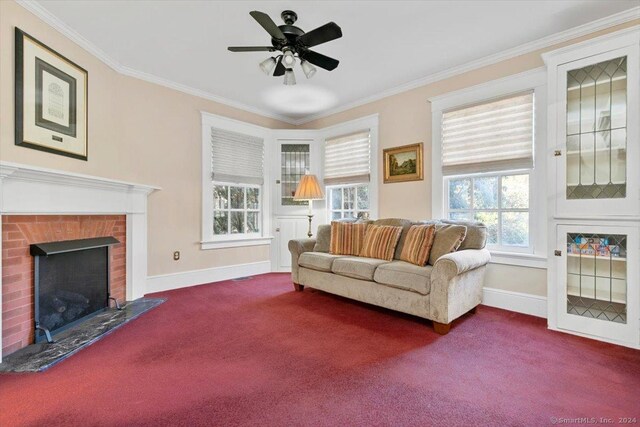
267,23
280,69
319,59
251,48
326,33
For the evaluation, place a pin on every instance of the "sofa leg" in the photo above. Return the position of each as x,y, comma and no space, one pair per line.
298,287
441,328
474,310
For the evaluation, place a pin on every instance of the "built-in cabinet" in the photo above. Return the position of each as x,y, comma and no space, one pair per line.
594,218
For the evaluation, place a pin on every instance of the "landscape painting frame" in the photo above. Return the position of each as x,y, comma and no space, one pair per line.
403,163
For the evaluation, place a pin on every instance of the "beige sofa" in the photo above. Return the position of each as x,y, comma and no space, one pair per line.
441,292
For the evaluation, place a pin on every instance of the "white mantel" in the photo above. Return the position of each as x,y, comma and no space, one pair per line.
31,190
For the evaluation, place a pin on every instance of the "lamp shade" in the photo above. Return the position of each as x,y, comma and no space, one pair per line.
309,189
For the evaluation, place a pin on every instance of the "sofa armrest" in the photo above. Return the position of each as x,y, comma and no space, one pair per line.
297,247
456,283
456,263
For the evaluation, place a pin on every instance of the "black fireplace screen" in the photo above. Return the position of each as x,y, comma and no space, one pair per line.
69,287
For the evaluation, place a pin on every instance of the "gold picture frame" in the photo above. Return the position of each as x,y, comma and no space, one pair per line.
403,163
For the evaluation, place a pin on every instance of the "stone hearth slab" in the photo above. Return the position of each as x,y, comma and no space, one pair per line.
41,356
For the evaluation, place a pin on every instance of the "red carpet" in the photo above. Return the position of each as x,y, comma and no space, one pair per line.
256,353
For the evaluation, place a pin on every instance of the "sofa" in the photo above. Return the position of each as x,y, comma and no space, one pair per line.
441,291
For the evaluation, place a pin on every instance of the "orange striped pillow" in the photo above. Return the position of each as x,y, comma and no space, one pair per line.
346,237
417,244
380,241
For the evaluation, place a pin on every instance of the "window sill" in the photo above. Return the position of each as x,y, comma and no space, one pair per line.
236,243
518,259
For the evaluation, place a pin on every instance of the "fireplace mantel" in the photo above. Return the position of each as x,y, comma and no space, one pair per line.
30,190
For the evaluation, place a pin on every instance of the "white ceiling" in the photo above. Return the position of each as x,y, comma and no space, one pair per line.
385,44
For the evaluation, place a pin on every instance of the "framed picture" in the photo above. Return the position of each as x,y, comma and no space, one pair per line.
403,163
51,100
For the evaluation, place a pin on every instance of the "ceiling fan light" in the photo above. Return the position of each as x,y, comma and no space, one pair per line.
309,70
289,77
268,65
288,60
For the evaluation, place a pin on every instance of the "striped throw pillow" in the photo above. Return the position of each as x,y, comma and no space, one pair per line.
417,244
380,241
347,238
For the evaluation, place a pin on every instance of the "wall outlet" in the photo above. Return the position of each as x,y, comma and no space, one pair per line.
176,255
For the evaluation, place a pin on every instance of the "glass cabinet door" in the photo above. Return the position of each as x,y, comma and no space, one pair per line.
597,276
596,130
599,295
597,137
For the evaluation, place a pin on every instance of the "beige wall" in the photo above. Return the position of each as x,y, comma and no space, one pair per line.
405,118
138,132
149,134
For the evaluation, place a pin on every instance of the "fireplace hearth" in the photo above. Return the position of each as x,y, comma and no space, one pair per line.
71,283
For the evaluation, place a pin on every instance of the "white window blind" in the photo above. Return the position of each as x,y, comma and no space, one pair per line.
492,136
347,159
236,158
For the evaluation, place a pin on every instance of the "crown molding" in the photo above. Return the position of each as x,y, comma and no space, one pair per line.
579,31
151,78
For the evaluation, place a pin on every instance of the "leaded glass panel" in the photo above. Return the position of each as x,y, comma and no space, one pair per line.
597,276
294,159
597,130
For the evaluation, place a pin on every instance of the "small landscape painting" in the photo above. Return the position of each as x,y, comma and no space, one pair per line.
403,163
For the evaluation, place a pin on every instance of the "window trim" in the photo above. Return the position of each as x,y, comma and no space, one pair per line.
368,122
208,239
529,80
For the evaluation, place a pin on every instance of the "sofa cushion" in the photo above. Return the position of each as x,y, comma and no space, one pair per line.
347,238
404,275
356,267
417,245
319,261
323,238
380,241
476,237
448,239
396,222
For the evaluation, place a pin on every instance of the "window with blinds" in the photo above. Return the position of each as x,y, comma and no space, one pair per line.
492,136
347,159
236,157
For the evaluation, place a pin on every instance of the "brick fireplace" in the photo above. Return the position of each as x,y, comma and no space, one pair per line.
42,205
18,232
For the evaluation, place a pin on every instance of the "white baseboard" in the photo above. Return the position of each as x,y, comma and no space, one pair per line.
519,302
166,282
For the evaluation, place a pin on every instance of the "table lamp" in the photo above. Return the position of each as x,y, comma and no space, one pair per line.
309,189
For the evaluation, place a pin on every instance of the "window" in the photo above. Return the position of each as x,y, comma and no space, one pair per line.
236,209
349,201
295,162
501,201
489,167
234,204
494,136
347,174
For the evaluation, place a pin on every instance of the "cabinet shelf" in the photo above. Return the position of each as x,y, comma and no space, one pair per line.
616,297
598,257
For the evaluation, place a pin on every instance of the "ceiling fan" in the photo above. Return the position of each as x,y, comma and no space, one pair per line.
292,42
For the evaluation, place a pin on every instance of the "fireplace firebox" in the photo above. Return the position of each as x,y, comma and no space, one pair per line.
71,283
